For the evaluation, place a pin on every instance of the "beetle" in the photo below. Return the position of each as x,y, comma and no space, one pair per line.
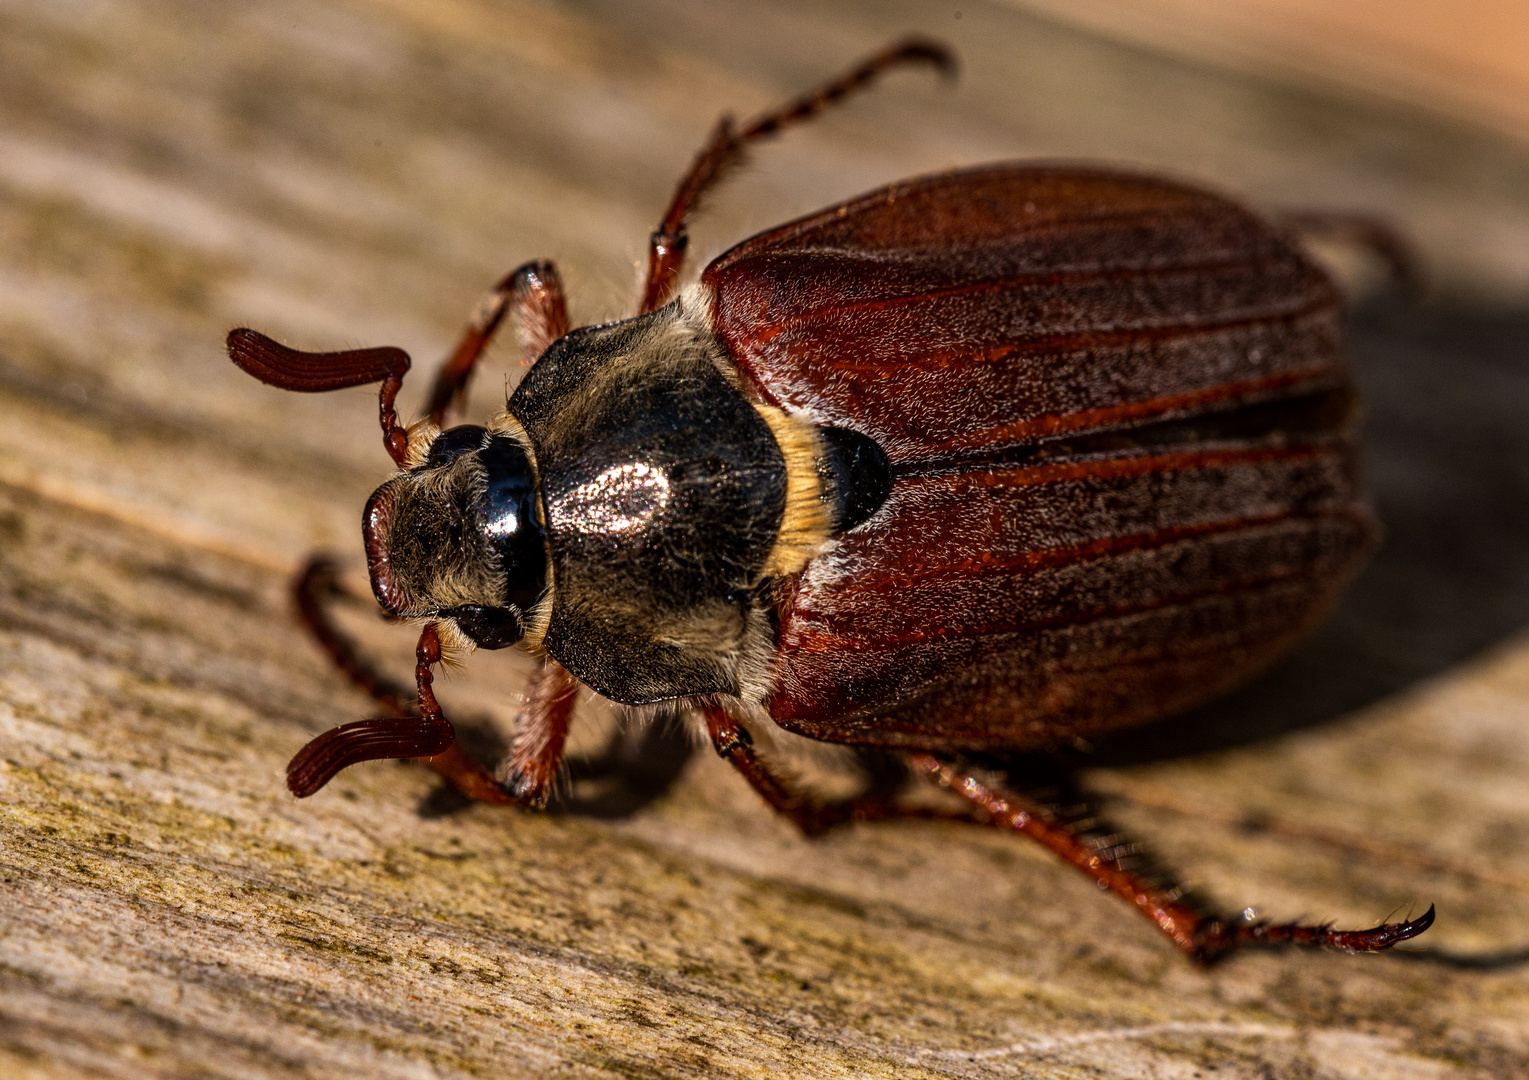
976,463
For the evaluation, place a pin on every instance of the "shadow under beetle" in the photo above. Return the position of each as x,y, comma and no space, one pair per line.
979,462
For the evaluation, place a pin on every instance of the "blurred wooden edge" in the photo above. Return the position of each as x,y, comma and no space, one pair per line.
1467,60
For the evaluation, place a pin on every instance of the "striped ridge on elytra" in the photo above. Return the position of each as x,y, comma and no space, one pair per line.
1061,299
1217,523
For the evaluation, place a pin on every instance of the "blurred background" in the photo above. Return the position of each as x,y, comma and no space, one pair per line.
1469,61
359,172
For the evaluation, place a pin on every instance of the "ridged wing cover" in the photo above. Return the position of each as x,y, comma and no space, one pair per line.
1018,594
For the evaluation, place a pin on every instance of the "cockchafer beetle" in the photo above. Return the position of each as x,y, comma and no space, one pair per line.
971,464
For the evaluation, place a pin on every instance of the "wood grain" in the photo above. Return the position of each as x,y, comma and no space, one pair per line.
355,174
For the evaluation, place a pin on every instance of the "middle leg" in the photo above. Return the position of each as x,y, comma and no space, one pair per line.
811,816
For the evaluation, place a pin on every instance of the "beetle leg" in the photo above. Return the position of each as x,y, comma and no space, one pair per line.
403,733
541,730
314,585
534,293
666,251
814,818
1206,938
1362,230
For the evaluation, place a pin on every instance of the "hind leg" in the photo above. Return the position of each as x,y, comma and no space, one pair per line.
1113,866
1363,231
1111,862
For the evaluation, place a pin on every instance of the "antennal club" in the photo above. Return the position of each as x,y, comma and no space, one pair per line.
423,734
313,372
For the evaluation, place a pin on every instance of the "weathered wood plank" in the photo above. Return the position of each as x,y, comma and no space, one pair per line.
169,909
356,173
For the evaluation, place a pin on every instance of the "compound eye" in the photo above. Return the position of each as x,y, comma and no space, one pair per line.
454,442
488,627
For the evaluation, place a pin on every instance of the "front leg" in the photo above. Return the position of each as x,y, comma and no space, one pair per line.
534,293
541,731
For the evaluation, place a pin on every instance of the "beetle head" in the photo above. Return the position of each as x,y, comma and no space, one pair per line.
459,537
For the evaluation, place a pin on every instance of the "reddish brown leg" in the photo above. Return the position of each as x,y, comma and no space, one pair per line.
309,372
814,818
534,293
407,732
541,730
666,251
312,590
1204,937
1371,233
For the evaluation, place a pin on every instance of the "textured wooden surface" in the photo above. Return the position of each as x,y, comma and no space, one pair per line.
357,172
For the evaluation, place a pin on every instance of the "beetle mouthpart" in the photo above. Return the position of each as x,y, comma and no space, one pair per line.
487,627
376,524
